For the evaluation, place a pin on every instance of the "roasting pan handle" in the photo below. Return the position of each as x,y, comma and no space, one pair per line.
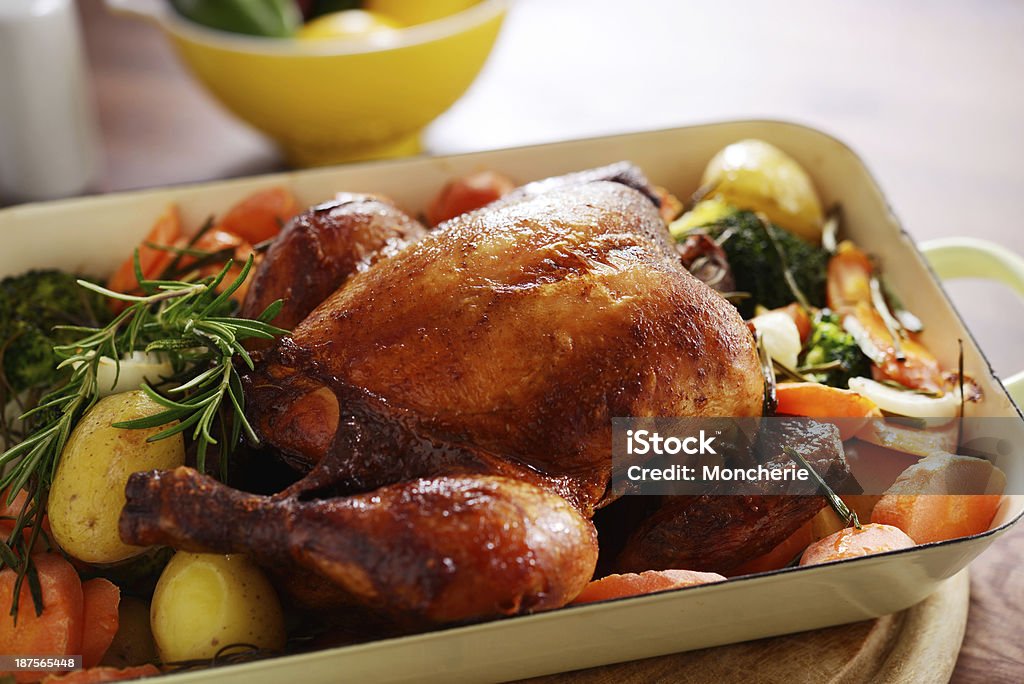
962,257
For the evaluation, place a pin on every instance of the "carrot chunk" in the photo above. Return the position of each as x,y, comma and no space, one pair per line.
850,410
851,542
465,194
620,586
233,246
57,631
942,497
913,365
260,216
152,261
937,517
99,615
849,278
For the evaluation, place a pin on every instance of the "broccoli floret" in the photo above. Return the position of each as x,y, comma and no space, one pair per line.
30,306
29,360
757,268
829,344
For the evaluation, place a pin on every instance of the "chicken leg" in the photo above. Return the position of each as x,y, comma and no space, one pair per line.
424,552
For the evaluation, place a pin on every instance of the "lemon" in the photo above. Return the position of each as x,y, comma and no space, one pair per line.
409,12
347,24
755,175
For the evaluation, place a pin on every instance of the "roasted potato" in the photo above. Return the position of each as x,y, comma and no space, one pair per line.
205,602
754,175
87,493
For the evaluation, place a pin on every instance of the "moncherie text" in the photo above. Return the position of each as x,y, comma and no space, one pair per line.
716,473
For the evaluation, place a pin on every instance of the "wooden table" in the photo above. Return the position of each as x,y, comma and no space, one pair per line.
927,91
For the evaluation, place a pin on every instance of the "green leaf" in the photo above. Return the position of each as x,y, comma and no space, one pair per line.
226,294
180,427
270,313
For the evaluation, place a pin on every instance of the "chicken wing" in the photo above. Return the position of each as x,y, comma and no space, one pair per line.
320,248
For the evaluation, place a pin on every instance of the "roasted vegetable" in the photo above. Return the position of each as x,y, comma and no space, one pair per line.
206,602
752,174
750,245
835,352
87,493
781,336
853,542
631,584
905,402
847,410
30,306
943,496
56,629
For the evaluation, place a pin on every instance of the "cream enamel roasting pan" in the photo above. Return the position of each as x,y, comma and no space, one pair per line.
92,235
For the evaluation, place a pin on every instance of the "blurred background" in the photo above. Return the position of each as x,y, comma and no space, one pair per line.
927,91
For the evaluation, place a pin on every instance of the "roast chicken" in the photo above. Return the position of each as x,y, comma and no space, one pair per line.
449,395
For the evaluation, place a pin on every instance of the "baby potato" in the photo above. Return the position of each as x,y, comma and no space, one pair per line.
755,175
87,493
204,602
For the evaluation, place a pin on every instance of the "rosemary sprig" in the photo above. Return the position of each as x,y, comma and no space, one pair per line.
790,374
770,404
188,321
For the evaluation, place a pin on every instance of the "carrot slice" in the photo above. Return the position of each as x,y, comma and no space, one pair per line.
165,232
849,410
260,216
620,586
98,675
849,278
781,556
851,542
99,615
58,630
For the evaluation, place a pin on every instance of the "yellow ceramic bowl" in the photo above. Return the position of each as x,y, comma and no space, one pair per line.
340,100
